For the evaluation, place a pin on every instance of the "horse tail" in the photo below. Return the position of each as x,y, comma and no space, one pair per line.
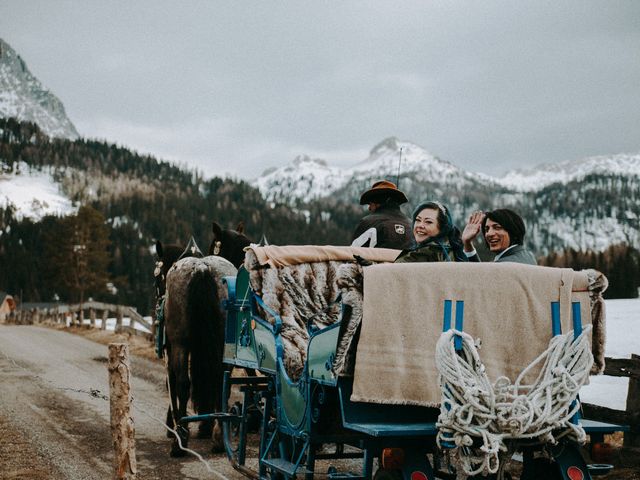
203,310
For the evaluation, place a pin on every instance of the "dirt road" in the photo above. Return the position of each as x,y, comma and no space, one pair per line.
54,412
54,415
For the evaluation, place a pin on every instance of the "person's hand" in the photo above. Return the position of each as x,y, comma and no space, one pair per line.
472,229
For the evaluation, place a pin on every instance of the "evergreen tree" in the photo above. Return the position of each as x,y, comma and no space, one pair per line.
78,257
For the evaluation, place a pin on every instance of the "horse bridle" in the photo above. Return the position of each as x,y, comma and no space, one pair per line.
159,276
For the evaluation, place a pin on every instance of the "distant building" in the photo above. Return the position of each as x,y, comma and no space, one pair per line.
7,305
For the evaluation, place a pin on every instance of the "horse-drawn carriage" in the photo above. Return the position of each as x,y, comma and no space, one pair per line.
383,363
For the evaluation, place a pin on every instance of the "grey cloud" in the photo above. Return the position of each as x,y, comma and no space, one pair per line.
487,85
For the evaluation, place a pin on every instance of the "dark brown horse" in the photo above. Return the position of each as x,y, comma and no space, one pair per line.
194,326
229,244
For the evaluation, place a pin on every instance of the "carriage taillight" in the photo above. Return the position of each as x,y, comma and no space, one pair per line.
574,473
392,458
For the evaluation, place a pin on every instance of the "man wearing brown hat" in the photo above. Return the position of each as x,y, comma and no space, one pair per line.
386,226
503,231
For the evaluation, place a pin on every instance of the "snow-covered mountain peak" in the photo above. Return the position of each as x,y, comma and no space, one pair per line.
393,156
301,160
23,97
391,153
386,145
305,178
528,180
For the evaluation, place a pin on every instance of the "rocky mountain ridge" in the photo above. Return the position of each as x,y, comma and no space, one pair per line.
23,97
586,204
306,178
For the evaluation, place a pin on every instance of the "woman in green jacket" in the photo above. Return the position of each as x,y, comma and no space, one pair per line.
437,238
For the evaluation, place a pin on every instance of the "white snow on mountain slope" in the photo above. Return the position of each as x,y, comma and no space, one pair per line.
34,193
596,234
304,178
23,97
543,175
393,156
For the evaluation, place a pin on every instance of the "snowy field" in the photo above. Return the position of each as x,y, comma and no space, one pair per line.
623,339
111,323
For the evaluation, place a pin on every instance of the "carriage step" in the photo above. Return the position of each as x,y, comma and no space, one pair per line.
285,467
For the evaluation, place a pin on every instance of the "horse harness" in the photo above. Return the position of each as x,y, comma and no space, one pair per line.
161,338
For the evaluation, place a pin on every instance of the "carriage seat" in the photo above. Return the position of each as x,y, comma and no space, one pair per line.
302,282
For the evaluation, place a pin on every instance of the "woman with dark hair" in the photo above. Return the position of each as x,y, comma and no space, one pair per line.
437,238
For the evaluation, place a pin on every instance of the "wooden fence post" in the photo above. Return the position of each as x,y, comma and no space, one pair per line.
118,319
632,438
122,428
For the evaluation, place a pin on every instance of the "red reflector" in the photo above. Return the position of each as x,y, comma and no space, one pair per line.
419,476
392,458
574,473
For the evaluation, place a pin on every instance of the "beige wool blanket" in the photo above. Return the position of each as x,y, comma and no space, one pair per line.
281,256
507,308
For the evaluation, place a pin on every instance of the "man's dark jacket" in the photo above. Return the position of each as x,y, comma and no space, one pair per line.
387,227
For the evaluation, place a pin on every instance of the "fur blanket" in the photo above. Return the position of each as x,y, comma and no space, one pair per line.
307,291
598,283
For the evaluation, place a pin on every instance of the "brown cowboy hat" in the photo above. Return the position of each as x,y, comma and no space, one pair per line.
381,190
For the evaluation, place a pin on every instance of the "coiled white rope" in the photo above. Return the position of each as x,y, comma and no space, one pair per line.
478,418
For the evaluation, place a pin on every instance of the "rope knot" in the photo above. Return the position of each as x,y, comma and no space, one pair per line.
481,417
463,440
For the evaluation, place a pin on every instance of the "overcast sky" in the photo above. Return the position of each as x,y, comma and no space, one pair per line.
236,87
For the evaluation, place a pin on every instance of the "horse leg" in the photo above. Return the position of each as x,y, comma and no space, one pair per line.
218,443
205,429
180,388
169,422
169,419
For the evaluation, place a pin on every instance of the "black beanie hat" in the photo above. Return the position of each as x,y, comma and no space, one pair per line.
510,221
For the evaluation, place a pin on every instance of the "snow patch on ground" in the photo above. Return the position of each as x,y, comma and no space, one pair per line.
34,193
623,339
